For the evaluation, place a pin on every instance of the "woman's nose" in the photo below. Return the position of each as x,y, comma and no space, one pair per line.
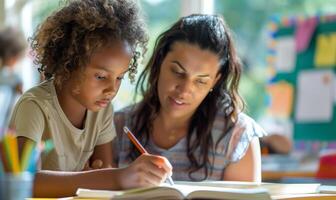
185,87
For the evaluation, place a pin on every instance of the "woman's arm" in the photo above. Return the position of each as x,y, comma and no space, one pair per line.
248,168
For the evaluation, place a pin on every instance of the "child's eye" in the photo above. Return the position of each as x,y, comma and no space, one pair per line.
120,78
98,77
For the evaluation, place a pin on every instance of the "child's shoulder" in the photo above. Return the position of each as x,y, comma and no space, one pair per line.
39,94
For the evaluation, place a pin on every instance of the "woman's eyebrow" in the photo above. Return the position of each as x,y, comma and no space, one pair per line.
180,66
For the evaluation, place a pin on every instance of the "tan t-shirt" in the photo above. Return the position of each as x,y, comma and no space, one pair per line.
38,116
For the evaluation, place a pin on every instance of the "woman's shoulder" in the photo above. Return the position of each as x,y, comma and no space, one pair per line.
126,111
243,121
237,139
251,127
123,117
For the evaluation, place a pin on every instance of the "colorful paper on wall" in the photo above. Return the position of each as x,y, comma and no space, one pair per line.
335,88
285,54
304,33
325,52
281,94
315,96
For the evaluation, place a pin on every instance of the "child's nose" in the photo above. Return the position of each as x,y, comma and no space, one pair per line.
110,90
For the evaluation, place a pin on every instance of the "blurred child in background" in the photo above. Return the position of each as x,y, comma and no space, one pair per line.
12,49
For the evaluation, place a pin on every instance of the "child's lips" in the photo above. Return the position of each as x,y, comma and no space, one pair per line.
103,103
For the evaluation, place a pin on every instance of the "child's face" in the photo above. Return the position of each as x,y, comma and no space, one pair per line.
186,76
102,76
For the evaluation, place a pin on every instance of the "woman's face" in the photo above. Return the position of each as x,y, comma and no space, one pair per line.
186,76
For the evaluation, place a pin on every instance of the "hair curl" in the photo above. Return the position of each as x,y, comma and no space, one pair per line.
209,32
66,40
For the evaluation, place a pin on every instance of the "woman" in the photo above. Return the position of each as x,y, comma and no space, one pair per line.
191,111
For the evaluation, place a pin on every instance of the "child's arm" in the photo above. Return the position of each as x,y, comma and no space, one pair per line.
102,156
147,170
248,168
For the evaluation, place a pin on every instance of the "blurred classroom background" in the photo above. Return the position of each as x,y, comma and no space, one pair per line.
288,49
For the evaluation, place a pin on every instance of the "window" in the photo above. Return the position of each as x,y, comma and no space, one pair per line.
159,15
248,19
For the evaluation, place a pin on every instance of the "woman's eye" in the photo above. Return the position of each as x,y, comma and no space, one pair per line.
177,73
201,82
98,77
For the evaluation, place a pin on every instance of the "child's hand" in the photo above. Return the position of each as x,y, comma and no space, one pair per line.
96,164
146,170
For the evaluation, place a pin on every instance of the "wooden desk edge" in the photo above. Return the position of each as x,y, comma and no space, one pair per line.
305,197
271,175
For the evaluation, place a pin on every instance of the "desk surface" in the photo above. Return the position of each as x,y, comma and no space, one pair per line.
278,175
276,167
306,197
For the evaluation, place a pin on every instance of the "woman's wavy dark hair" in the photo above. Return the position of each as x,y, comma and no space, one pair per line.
209,32
67,39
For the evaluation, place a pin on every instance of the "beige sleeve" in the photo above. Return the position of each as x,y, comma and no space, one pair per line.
108,132
28,120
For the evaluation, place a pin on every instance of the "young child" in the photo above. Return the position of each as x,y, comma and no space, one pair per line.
84,51
191,112
12,48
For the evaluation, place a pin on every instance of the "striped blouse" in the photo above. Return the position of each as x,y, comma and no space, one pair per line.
231,148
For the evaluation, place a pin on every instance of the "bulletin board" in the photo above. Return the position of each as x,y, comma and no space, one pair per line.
302,68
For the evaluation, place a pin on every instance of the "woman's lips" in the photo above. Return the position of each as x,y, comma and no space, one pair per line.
177,103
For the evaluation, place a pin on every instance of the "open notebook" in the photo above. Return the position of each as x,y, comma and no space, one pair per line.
178,192
181,190
205,190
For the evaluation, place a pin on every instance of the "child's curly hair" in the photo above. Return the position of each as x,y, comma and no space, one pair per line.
66,40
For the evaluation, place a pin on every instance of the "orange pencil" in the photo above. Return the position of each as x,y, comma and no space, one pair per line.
141,148
134,140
